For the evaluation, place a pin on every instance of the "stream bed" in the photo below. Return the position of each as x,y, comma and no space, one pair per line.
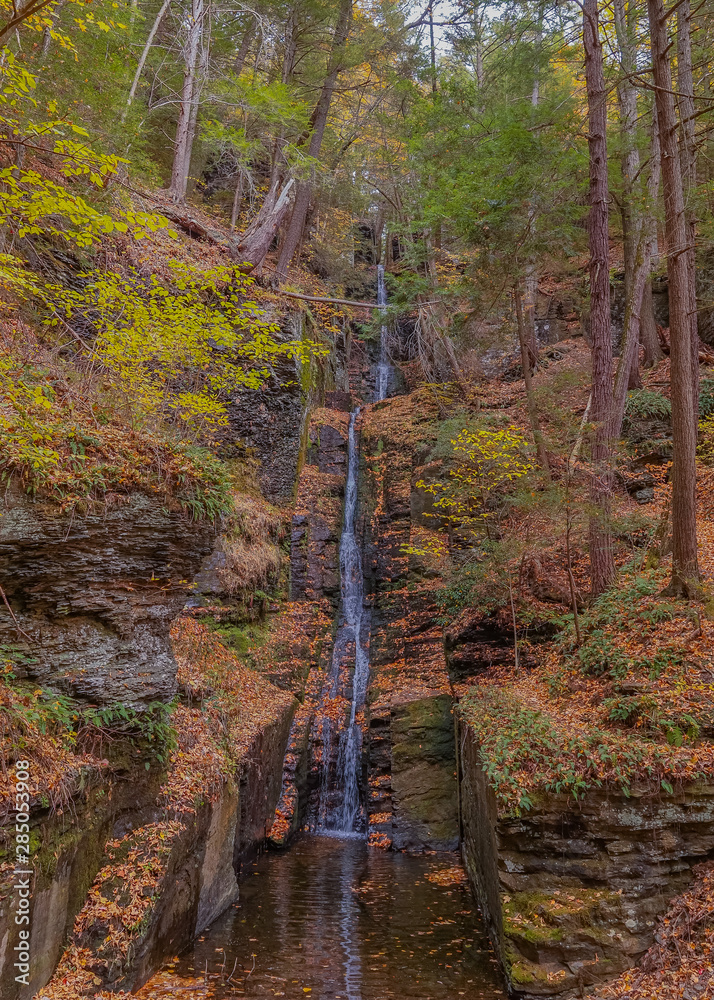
331,919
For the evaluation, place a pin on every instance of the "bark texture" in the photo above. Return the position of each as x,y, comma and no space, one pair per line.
182,144
527,378
688,160
601,554
685,569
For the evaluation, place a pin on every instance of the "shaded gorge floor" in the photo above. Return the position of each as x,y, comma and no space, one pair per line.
332,919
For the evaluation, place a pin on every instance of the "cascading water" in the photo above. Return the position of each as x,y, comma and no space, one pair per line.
384,369
340,808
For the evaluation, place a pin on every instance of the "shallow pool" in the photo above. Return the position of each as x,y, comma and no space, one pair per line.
333,919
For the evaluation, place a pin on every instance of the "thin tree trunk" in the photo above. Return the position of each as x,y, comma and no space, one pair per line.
318,123
648,329
530,297
195,102
453,361
47,32
257,239
688,158
648,326
685,568
631,331
633,223
638,225
479,64
602,563
432,49
514,620
177,189
527,378
242,53
21,14
627,96
569,559
144,55
575,453
237,199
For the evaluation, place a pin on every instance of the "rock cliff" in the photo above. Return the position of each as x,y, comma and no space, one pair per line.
93,596
572,889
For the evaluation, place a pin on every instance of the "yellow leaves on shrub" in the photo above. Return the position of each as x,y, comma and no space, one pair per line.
487,464
182,347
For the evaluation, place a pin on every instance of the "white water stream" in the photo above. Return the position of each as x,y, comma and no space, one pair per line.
343,812
384,369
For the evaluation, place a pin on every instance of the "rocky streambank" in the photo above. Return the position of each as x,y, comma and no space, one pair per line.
139,820
573,889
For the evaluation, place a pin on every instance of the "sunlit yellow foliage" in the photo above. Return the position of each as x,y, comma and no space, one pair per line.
154,356
45,17
179,349
30,204
488,464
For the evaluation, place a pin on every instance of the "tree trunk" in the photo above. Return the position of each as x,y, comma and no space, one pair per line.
193,120
648,326
648,329
432,49
242,53
636,251
144,55
256,241
635,219
688,158
179,175
47,32
685,569
627,96
318,123
602,564
530,297
237,199
527,378
631,330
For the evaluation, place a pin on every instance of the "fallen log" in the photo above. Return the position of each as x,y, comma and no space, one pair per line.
706,355
337,302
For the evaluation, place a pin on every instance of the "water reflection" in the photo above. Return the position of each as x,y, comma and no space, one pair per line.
332,919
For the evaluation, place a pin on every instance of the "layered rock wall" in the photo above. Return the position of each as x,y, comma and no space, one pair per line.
572,889
193,868
412,793
94,597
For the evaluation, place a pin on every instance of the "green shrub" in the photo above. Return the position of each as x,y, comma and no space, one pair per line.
643,404
616,612
706,398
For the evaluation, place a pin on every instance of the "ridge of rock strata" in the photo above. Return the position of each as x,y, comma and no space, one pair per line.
411,766
572,889
96,595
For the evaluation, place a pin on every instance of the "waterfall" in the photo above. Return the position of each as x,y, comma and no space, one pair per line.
384,369
340,809
342,812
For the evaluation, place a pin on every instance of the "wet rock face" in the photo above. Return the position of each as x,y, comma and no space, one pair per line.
95,595
423,782
412,791
317,521
574,889
475,642
197,879
268,424
660,305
